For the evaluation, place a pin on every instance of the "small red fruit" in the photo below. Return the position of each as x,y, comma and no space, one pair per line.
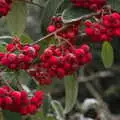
51,28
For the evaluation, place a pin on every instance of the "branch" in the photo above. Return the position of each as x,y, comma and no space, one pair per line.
103,74
5,37
80,18
50,35
103,106
65,26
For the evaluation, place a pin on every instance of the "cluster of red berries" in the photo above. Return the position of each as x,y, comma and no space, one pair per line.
104,30
40,74
19,101
59,62
19,56
69,33
90,4
5,6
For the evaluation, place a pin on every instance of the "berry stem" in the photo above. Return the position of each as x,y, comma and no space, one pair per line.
67,41
104,108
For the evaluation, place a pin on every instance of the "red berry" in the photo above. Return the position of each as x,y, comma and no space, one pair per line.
88,23
10,47
31,109
8,100
79,52
51,28
21,57
28,59
89,31
117,32
5,61
12,57
104,37
30,51
60,73
85,47
16,97
53,60
39,94
71,35
67,67
1,55
23,110
115,15
1,101
37,47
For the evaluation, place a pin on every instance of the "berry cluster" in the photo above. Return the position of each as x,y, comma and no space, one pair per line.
104,30
19,56
70,33
5,6
19,101
90,4
59,62
40,74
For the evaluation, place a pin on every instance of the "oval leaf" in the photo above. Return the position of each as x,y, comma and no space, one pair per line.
73,14
107,54
63,5
71,92
25,39
16,18
2,47
11,115
115,4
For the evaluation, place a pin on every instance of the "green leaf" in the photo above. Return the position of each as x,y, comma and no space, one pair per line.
115,4
1,116
71,92
26,88
25,39
63,5
11,115
107,54
8,76
2,47
50,118
74,14
16,18
49,12
58,109
23,76
38,115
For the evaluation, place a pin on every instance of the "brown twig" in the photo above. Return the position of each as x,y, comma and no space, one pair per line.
65,26
104,108
50,35
103,74
80,18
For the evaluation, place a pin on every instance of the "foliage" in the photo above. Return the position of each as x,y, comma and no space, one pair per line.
56,55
